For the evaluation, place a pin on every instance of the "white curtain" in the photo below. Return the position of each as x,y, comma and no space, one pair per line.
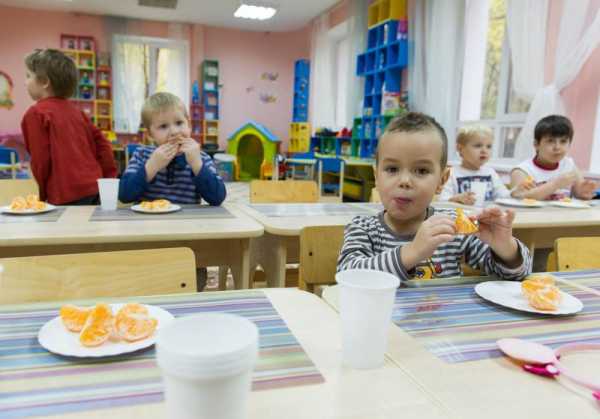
129,84
575,45
322,85
436,56
357,33
526,22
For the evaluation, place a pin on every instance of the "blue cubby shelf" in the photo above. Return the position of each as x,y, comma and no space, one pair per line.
381,65
301,91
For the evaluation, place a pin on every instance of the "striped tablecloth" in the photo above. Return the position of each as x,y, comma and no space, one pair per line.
35,382
457,325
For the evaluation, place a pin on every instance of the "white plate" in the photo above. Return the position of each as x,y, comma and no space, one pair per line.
508,294
570,204
55,337
7,210
171,208
511,202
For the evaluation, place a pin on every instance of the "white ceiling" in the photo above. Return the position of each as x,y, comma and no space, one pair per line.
291,14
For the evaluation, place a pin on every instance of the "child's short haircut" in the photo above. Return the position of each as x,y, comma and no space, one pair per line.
55,67
553,126
160,102
418,122
472,131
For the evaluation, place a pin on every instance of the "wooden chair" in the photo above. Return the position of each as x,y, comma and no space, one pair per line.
10,188
288,191
319,250
102,274
573,253
375,195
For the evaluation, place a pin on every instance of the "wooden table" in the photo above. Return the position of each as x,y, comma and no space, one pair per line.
494,388
386,392
280,242
215,241
537,228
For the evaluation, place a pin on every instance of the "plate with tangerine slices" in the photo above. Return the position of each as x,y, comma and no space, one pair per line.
27,205
523,203
103,330
536,294
158,206
570,203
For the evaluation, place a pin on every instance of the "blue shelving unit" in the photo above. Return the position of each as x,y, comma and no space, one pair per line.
301,84
210,89
381,65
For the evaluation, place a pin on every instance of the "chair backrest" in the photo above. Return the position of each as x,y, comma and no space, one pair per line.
10,188
292,191
319,250
574,253
129,150
97,275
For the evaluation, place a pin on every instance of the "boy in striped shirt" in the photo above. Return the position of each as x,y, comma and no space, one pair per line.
410,238
175,168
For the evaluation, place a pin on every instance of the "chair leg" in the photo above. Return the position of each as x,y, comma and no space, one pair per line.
223,270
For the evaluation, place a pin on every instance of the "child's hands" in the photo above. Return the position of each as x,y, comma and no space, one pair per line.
191,149
466,198
565,180
434,231
495,229
587,189
162,156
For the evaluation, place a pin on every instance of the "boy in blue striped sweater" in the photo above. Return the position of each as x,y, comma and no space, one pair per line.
410,238
175,168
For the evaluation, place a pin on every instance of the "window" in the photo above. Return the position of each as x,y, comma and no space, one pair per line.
141,67
487,95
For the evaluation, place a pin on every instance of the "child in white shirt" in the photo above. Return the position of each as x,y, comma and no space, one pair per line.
551,175
474,145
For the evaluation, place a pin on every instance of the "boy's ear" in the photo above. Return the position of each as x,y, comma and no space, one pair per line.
443,179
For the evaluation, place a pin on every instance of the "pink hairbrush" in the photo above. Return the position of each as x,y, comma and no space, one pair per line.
542,360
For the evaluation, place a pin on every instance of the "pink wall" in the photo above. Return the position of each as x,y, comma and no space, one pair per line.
243,57
581,96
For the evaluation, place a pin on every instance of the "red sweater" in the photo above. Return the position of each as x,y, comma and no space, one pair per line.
68,153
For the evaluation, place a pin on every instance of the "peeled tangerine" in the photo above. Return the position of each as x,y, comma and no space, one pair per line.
74,317
541,292
158,204
463,224
132,322
98,326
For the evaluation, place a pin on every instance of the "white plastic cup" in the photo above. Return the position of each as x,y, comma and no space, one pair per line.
479,189
109,193
366,303
206,362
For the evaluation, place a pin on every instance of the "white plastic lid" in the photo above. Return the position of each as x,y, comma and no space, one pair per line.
207,345
367,279
224,157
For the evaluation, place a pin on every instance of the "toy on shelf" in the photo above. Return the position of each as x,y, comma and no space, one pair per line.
255,148
195,93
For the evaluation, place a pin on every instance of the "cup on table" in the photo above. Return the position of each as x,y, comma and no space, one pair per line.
109,193
479,189
366,303
206,362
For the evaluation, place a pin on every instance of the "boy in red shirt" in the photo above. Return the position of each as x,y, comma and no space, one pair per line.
68,153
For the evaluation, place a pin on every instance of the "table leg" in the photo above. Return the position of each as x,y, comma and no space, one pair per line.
240,265
274,261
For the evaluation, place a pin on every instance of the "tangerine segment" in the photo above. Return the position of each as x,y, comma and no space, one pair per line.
133,323
74,317
18,204
534,283
546,299
463,224
162,204
98,327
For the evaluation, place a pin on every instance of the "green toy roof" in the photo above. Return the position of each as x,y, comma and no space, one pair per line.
260,128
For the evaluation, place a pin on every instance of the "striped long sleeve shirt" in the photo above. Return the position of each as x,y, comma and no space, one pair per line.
370,244
176,182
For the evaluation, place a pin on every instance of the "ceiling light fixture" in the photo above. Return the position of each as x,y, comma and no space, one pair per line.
255,11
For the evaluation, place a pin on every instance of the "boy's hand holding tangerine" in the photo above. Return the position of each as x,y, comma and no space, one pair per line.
587,189
495,229
565,180
191,149
161,157
433,232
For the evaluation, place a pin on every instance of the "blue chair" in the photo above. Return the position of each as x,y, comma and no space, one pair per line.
336,166
9,160
129,150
